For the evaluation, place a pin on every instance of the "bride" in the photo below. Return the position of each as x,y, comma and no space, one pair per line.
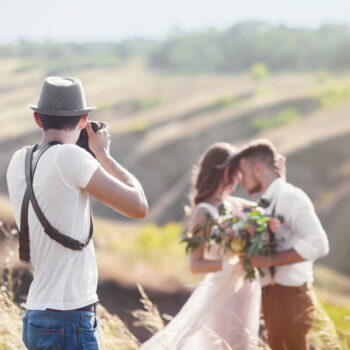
224,310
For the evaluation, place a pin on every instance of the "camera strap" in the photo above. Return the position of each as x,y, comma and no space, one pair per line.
29,196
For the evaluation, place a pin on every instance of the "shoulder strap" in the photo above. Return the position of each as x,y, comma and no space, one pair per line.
273,242
210,208
24,245
53,233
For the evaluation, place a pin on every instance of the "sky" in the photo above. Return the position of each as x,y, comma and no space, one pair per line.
116,20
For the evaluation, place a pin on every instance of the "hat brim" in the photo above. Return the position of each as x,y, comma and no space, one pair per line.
62,113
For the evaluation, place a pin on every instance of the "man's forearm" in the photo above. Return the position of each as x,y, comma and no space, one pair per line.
286,257
116,170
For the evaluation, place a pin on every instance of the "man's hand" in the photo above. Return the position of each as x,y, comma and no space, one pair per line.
99,141
111,183
280,166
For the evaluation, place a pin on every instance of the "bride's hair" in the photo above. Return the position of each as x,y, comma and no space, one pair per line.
208,173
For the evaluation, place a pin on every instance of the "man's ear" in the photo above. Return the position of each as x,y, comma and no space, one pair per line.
259,168
38,120
83,121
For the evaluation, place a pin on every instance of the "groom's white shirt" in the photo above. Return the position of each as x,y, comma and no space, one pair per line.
301,230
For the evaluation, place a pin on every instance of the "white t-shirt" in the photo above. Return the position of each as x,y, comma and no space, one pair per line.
64,279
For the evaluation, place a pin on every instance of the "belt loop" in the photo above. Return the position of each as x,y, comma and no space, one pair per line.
95,307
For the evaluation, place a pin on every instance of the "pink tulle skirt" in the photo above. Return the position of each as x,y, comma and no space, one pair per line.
223,312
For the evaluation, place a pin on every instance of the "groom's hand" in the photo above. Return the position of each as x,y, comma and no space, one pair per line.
280,166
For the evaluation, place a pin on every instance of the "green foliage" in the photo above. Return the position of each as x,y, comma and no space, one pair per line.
164,239
323,77
65,63
241,46
340,315
287,116
249,234
27,67
147,241
60,58
223,101
259,71
140,125
145,103
335,95
236,49
105,107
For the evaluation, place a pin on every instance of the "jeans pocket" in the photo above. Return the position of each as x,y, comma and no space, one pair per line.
44,334
88,332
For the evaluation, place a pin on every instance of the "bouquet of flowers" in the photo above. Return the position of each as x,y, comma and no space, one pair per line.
250,234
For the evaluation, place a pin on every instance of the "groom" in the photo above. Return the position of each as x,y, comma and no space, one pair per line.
287,296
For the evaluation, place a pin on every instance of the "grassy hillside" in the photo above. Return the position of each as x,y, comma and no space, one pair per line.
161,123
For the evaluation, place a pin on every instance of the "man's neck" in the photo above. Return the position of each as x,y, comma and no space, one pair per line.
267,182
64,136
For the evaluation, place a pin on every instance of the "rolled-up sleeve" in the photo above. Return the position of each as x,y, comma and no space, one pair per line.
312,242
75,166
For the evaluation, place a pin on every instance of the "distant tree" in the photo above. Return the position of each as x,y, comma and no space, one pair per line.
236,49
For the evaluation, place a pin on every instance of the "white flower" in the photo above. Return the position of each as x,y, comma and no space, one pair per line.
14,232
266,237
238,226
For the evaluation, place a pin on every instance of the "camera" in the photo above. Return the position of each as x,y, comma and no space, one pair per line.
83,140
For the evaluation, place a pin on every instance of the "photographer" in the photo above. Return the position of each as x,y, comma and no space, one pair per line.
48,188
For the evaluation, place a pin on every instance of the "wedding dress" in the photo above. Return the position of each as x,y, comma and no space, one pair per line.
223,312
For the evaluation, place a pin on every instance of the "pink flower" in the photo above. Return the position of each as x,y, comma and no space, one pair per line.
225,224
274,225
231,232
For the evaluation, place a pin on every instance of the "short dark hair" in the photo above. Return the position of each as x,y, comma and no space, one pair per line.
261,150
58,122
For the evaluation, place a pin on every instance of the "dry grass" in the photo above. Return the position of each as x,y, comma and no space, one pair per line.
10,324
149,317
114,334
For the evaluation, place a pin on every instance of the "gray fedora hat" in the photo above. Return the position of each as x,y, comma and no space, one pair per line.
62,97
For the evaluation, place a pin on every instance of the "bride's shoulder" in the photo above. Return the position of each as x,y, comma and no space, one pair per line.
204,208
200,214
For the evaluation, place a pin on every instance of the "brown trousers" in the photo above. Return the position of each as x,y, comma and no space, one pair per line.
288,313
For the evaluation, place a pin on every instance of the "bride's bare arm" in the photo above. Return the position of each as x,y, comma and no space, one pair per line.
198,263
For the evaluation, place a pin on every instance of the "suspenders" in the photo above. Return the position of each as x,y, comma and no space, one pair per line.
272,237
29,196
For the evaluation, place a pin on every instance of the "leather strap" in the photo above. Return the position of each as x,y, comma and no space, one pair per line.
272,238
24,244
91,307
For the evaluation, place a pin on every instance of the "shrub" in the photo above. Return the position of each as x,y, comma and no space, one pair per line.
259,71
285,117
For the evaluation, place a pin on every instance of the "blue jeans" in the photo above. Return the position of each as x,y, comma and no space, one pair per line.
66,330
